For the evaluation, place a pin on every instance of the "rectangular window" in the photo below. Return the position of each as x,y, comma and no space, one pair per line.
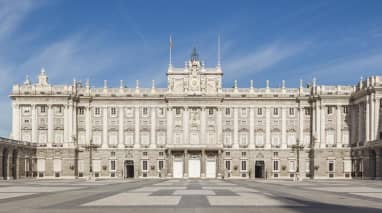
160,164
113,111
144,111
42,109
307,111
177,111
347,166
330,110
243,112
276,111
259,111
227,111
161,154
307,166
243,165
97,111
210,111
112,165
144,165
331,166
26,109
243,154
144,153
276,166
227,154
41,165
291,111
161,111
228,165
81,110
259,139
292,166
275,154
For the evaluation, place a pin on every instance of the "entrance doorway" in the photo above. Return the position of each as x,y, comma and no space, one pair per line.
373,164
177,168
194,168
129,169
14,164
259,169
211,168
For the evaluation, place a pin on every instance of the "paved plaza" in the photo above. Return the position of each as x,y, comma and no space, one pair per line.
190,195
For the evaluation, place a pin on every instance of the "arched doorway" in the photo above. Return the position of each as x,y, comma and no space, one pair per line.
5,164
129,169
14,164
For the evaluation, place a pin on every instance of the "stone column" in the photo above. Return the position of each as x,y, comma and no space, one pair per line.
88,125
235,127
153,127
376,119
105,140
251,127
284,144
267,127
66,126
121,127
34,123
318,123
137,128
338,129
220,165
72,121
169,126
169,163
203,126
16,121
50,125
185,163
186,122
219,126
367,125
203,162
372,116
322,126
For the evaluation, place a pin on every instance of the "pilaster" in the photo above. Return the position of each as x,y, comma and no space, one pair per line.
203,125
338,129
219,126
105,115
137,127
267,127
322,126
186,125
34,123
153,127
169,126
235,127
121,115
16,121
284,144
251,127
50,125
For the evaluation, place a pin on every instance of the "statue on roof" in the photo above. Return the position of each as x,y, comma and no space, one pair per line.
194,55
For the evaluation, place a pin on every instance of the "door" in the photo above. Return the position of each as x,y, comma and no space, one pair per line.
259,169
211,169
129,169
178,169
194,168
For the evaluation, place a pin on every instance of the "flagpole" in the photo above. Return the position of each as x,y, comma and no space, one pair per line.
170,58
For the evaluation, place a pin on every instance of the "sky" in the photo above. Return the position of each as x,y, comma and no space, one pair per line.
335,41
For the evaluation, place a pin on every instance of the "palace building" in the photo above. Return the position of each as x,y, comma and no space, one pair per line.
194,128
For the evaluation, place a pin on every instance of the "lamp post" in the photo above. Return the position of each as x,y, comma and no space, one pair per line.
297,147
90,148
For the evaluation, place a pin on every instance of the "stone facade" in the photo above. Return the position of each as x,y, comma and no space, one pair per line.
197,128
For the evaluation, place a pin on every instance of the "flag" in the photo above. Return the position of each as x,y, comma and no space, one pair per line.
171,43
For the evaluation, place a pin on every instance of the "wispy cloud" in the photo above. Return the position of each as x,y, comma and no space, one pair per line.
261,59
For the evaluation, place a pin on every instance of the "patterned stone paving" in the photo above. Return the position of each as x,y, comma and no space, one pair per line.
185,193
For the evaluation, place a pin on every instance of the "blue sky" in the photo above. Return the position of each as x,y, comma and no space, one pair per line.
334,41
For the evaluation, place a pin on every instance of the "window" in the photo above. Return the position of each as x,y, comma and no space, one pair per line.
227,138
331,166
161,154
291,139
330,110
42,109
26,121
26,109
210,111
243,112
243,165
81,110
228,165
345,109
259,139
112,154
144,153
260,111
276,111
177,111
347,166
160,164
161,112
292,166
307,111
291,111
144,111
227,154
113,111
97,111
41,165
275,154
227,111
243,154
244,139
144,165
112,165
330,137
307,166
276,165
276,140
